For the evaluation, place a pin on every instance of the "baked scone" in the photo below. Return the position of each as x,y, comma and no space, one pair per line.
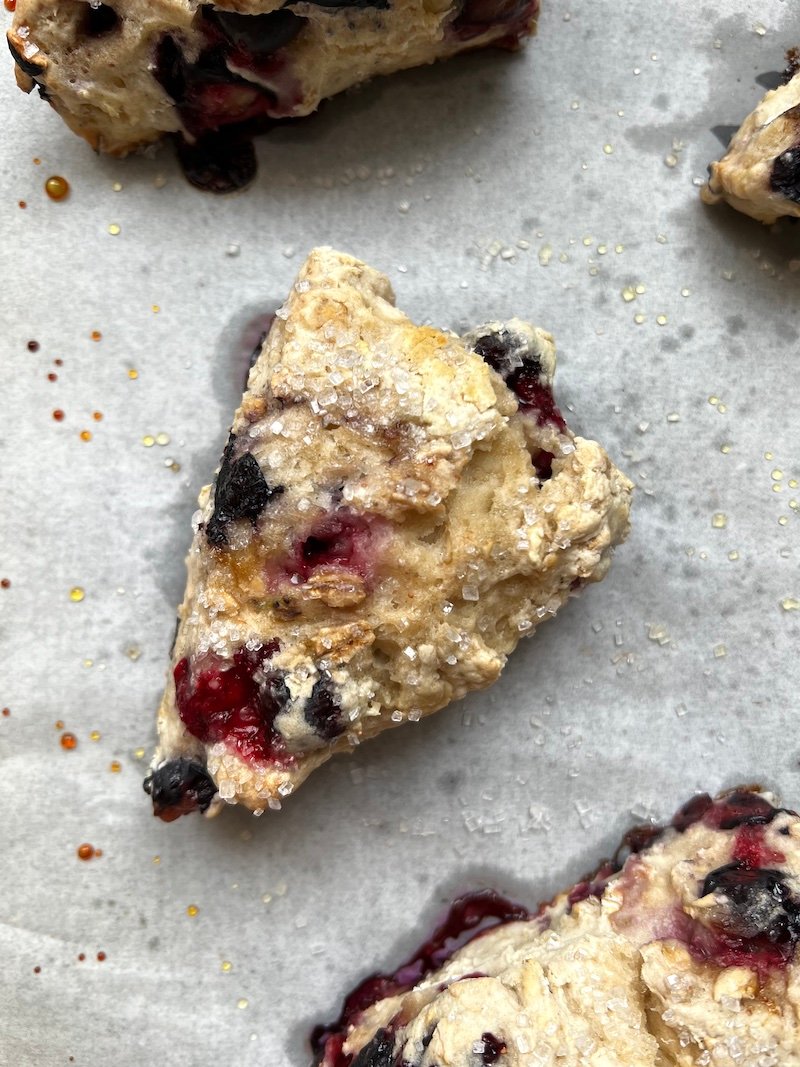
683,955
395,508
123,74
760,173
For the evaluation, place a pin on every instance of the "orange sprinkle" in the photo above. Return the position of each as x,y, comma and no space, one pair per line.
69,741
36,159
81,956
101,956
6,712
115,766
85,851
56,187
23,204
58,415
5,583
52,377
59,724
59,362
10,5
97,416
95,335
86,435
98,852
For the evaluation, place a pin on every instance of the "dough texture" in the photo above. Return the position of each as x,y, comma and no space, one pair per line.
122,74
389,519
760,173
683,958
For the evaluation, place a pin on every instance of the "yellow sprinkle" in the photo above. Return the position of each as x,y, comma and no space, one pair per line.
117,187
155,309
628,294
138,753
725,449
661,320
227,966
777,475
733,555
686,292
86,435
242,1002
115,766
720,651
619,249
793,504
192,910
133,374
88,662
782,521
790,603
162,439
156,859
267,898
94,735
602,249
114,229
639,318
722,408
792,483
719,520
768,455
713,401
148,440
76,594
640,289
608,149
777,487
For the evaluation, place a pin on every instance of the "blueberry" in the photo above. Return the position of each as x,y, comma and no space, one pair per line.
378,1053
758,901
785,177
322,712
493,1048
241,492
218,162
99,20
257,36
178,787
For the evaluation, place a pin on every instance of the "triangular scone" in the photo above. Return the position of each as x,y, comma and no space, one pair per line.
387,522
760,173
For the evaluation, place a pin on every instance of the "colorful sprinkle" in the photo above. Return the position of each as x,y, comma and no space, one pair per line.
76,594
85,851
69,741
56,187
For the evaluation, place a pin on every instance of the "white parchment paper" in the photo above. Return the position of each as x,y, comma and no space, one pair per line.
538,185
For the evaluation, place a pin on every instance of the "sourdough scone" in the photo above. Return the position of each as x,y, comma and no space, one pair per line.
760,173
124,73
682,956
395,508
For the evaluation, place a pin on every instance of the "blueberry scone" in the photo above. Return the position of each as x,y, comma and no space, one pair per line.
122,74
683,955
760,173
394,509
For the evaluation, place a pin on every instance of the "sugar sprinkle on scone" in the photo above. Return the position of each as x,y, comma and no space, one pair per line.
683,955
395,508
759,174
124,73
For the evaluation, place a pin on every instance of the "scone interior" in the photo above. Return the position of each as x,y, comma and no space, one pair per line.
683,955
124,73
759,174
396,507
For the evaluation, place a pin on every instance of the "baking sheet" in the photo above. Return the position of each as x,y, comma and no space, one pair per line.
542,185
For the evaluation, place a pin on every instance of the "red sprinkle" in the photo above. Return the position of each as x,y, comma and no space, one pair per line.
5,583
33,346
58,415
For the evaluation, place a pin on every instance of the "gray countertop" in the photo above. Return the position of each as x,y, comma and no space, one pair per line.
543,185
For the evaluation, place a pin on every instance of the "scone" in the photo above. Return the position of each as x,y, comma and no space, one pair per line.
683,955
760,173
125,73
394,509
